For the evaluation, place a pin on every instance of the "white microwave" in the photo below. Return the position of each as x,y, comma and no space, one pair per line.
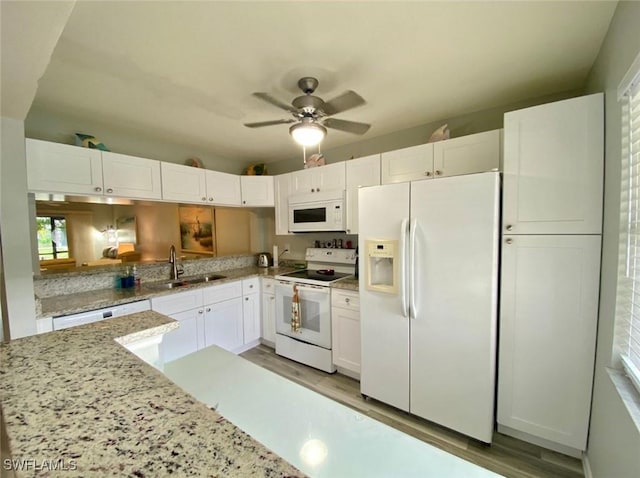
321,211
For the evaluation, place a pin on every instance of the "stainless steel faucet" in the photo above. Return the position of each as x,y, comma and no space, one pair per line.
175,272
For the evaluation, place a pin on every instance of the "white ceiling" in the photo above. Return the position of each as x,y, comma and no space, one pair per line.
187,69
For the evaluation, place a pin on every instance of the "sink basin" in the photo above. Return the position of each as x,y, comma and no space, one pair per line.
188,281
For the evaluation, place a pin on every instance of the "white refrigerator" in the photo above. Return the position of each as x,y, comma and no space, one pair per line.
428,298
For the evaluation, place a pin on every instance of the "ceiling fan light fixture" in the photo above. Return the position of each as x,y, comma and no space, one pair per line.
308,133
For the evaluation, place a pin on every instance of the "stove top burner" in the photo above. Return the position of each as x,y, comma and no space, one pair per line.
321,275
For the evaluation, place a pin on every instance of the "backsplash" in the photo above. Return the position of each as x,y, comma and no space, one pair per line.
83,281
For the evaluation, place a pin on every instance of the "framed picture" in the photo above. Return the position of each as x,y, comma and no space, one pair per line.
196,229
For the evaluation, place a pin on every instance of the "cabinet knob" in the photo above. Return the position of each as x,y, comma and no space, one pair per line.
109,190
313,190
97,189
317,190
427,173
347,300
208,309
438,172
272,298
244,202
246,298
204,198
211,199
509,227
251,286
509,241
200,311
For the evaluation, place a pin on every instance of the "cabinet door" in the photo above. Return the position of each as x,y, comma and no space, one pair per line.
329,177
257,191
53,167
475,153
269,318
345,333
407,164
553,168
223,324
549,311
179,302
321,178
223,188
282,192
183,340
360,172
183,183
131,177
251,317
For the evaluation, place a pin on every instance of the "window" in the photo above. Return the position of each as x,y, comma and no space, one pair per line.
628,292
52,237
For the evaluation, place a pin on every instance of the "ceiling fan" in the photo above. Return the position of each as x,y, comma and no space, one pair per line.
311,113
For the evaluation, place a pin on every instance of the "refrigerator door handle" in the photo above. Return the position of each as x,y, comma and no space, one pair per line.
403,268
413,313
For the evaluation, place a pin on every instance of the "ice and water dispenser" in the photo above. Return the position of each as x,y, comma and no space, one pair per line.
381,266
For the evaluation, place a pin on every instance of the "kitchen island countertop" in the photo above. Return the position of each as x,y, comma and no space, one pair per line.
78,399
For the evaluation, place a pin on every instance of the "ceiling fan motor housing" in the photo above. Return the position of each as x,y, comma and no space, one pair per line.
308,84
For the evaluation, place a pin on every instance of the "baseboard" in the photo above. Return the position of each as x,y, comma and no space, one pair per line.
348,373
564,449
586,466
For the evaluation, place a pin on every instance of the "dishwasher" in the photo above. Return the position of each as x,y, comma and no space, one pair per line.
66,321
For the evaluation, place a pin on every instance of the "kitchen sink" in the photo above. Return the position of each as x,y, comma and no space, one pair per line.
187,281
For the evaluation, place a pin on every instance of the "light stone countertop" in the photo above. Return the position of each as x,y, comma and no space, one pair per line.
78,396
96,299
74,303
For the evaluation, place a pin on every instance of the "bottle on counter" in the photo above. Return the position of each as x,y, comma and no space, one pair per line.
136,278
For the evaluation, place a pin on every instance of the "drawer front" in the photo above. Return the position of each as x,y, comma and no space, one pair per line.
250,286
345,299
222,292
268,286
178,302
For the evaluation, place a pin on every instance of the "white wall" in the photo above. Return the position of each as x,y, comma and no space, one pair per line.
614,441
15,230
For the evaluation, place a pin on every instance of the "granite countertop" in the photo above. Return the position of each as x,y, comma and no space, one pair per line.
350,283
96,299
80,400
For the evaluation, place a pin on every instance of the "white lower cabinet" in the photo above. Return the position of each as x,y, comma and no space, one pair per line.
268,312
215,315
345,330
223,324
251,310
548,323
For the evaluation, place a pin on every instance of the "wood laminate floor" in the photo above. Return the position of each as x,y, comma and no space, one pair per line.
507,456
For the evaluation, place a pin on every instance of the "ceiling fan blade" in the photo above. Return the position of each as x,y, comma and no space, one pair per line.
348,126
269,123
275,102
346,101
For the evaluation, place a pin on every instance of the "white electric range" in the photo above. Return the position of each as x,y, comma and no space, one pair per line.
311,344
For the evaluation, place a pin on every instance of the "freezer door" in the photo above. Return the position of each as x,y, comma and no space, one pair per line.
384,375
454,239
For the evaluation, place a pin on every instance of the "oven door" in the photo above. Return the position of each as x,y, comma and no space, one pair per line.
315,313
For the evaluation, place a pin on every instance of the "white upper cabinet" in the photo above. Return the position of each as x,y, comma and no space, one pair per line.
407,164
131,177
183,183
321,178
360,172
474,153
282,187
223,188
196,185
257,191
54,167
553,168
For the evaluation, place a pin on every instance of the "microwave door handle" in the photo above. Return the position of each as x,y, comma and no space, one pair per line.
403,268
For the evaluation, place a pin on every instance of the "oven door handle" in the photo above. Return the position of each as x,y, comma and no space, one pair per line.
312,288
